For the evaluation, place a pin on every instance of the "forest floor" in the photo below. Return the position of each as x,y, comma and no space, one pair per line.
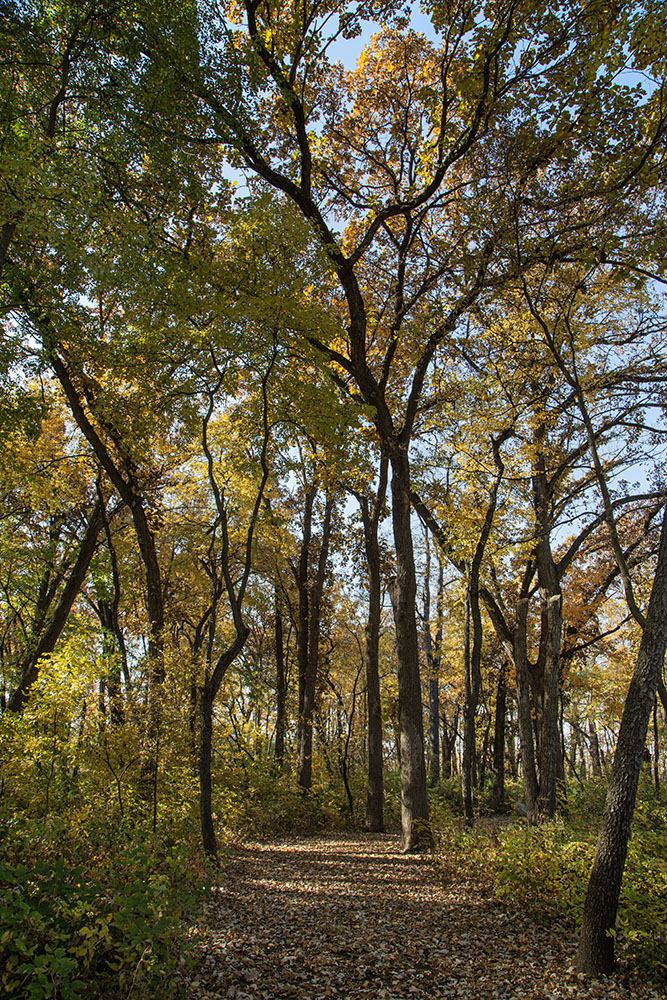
334,917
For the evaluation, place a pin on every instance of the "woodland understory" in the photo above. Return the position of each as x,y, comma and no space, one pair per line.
333,497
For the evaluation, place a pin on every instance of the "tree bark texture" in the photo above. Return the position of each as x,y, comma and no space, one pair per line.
498,791
524,712
209,840
315,591
281,681
596,946
548,665
375,786
469,709
433,656
415,832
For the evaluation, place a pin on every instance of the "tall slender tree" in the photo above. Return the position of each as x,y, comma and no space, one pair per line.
419,153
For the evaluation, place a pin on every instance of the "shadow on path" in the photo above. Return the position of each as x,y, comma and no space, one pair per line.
351,917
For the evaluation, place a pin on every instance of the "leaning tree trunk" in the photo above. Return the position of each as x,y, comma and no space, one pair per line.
207,694
45,641
415,832
596,947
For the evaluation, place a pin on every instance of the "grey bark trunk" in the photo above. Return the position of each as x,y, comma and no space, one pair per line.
305,748
596,946
281,681
594,747
415,831
551,621
498,791
375,784
469,710
433,656
524,713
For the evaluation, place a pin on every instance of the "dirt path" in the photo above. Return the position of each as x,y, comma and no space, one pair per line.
352,917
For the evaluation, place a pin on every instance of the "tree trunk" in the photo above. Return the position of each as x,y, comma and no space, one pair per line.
483,759
415,831
474,633
524,712
549,743
154,595
371,521
281,682
449,736
596,946
594,747
656,750
434,730
206,699
375,788
561,746
472,686
51,630
551,626
433,657
111,680
305,748
498,791
662,695
548,668
511,745
302,577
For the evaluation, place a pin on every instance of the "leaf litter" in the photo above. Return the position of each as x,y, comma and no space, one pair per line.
352,917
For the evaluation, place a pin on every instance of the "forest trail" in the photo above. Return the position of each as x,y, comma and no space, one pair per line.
352,917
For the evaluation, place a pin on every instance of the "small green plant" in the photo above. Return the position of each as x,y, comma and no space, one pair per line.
111,925
545,869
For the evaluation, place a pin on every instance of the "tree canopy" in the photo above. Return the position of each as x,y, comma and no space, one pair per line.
334,410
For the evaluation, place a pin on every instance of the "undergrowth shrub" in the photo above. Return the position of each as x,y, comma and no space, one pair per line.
545,869
255,798
94,915
642,918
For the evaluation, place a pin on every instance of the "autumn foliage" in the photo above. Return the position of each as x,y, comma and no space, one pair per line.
332,414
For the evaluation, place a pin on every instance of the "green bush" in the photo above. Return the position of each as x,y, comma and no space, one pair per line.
545,869
112,926
642,918
255,798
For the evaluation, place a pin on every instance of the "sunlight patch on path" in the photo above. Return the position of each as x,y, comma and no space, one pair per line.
351,917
